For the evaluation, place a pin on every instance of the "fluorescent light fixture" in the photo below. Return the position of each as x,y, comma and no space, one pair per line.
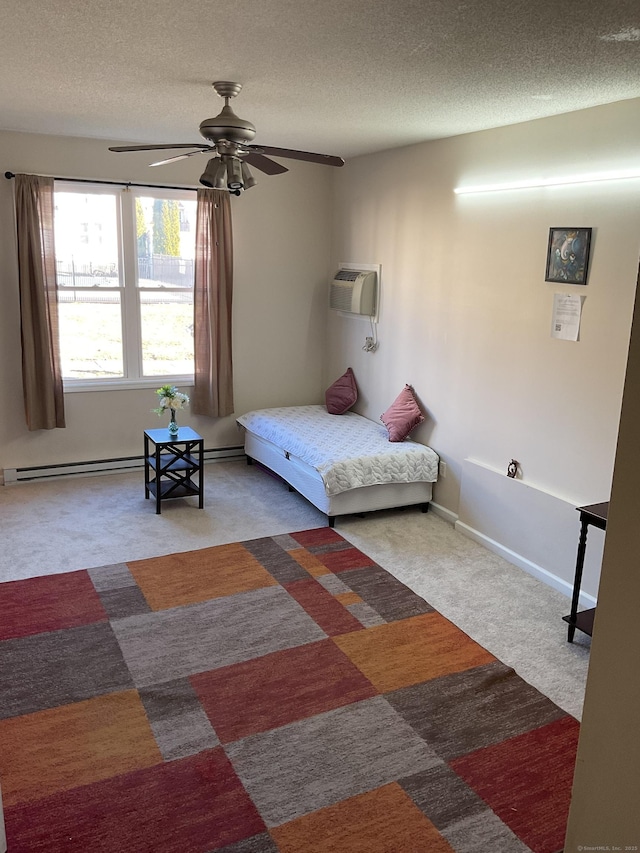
592,178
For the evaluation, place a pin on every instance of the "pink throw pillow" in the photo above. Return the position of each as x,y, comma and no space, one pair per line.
340,396
403,415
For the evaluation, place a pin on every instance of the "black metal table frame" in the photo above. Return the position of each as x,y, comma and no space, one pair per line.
178,466
595,514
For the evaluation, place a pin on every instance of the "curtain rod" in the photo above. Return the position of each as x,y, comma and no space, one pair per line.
9,175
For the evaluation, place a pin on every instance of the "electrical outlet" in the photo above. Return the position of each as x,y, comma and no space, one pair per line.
442,469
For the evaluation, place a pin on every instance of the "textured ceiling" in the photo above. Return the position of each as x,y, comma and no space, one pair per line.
339,77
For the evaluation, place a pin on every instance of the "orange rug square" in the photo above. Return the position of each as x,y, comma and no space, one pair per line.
309,562
194,576
73,745
379,821
408,652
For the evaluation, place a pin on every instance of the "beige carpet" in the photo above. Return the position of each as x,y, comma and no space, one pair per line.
61,525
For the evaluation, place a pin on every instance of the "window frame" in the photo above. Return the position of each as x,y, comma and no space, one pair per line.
128,285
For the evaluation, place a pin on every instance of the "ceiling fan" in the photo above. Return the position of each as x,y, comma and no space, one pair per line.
228,137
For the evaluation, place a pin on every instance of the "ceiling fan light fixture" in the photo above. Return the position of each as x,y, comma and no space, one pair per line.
208,177
234,174
220,182
248,179
228,137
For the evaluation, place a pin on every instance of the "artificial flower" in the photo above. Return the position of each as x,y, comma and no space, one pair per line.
170,398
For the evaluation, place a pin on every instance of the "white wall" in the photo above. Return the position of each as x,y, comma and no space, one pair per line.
465,312
281,235
604,806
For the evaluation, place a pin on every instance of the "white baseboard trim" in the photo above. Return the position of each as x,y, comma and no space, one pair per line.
38,473
443,512
522,563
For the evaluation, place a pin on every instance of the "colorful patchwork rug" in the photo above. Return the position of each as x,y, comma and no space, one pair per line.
280,694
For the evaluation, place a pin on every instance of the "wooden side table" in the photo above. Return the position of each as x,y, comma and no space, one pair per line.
169,466
595,514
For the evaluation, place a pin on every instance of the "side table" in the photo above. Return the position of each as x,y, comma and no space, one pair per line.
170,465
595,514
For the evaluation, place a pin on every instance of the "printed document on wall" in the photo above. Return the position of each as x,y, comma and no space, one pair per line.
565,323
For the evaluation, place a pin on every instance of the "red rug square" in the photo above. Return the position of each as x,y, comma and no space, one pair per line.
345,559
279,688
329,613
48,603
196,804
527,780
317,536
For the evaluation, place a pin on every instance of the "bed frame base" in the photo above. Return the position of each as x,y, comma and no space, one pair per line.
332,518
301,478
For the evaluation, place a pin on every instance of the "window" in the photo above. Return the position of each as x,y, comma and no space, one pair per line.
125,262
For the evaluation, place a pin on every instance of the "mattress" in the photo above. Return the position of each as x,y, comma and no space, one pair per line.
347,451
306,481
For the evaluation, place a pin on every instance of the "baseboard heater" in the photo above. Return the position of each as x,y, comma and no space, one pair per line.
117,465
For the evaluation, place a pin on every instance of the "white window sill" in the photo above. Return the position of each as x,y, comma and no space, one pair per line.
72,386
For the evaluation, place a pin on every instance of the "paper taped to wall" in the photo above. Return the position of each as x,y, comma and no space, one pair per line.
565,323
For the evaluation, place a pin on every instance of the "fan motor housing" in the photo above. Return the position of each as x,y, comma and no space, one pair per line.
227,125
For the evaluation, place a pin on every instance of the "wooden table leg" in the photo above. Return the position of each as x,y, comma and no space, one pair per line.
582,548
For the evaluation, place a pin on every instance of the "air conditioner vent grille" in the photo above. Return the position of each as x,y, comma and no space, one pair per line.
341,297
347,275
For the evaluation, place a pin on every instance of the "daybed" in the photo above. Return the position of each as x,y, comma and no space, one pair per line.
342,464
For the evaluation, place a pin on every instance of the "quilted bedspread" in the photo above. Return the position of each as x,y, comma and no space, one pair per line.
348,451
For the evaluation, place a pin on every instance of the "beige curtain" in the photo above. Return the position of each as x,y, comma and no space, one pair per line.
213,291
41,372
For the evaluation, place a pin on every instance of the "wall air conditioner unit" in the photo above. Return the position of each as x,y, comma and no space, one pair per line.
354,291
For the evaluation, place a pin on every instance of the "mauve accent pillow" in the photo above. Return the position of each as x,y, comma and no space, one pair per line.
340,396
403,415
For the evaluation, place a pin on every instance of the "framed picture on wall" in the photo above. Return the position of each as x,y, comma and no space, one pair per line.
568,255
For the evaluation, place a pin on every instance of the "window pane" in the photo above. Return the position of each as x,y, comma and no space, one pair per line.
167,333
86,239
86,244
165,243
90,334
113,321
165,240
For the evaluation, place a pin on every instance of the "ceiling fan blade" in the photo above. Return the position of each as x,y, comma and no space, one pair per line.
269,167
324,159
178,157
200,145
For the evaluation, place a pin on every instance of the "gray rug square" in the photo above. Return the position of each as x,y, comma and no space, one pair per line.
111,577
442,796
262,843
276,560
299,768
178,720
168,644
124,601
386,594
188,734
473,709
482,832
60,667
